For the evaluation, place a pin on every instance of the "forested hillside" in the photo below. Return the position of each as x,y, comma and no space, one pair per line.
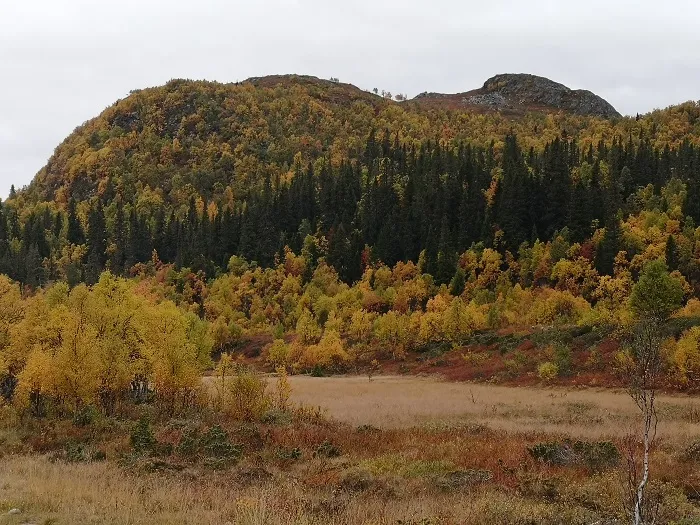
348,227
202,171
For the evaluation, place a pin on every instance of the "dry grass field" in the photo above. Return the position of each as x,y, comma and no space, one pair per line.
411,451
399,402
82,494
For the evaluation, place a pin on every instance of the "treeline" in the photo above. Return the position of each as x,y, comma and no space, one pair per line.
398,202
64,346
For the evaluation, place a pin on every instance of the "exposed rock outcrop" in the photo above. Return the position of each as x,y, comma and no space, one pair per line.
521,93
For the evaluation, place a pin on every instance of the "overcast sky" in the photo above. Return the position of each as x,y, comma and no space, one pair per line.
63,61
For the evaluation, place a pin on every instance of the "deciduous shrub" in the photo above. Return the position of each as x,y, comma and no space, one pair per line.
547,371
246,396
278,353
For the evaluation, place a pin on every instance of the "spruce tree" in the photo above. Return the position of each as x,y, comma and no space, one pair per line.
671,254
96,243
608,248
75,233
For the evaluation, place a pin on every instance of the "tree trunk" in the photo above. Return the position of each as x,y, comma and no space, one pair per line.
638,517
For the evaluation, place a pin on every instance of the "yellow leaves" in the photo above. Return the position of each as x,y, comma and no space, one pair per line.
437,304
383,278
62,358
307,329
11,309
36,330
491,262
613,292
553,306
224,370
245,395
224,334
76,361
492,190
86,346
328,352
431,328
172,354
686,356
294,265
577,276
283,390
457,322
278,354
691,309
36,378
394,332
675,195
149,201
547,371
361,326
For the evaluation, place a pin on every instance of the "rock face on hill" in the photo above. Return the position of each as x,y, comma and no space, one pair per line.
521,93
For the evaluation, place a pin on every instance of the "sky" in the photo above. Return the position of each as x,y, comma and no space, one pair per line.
63,61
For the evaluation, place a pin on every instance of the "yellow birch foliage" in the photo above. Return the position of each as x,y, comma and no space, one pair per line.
176,373
87,346
329,351
686,357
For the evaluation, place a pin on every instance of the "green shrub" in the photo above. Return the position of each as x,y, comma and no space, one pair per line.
536,486
553,453
75,452
189,443
562,356
596,455
367,429
142,438
318,371
215,444
357,479
85,416
692,451
277,417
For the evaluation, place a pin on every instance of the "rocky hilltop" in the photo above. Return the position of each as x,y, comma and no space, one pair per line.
522,93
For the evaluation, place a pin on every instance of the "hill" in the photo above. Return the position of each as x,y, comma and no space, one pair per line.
200,171
196,136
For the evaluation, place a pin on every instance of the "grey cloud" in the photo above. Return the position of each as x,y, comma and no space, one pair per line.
63,62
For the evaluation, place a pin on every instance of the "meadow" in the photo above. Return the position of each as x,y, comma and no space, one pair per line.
390,450
394,402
